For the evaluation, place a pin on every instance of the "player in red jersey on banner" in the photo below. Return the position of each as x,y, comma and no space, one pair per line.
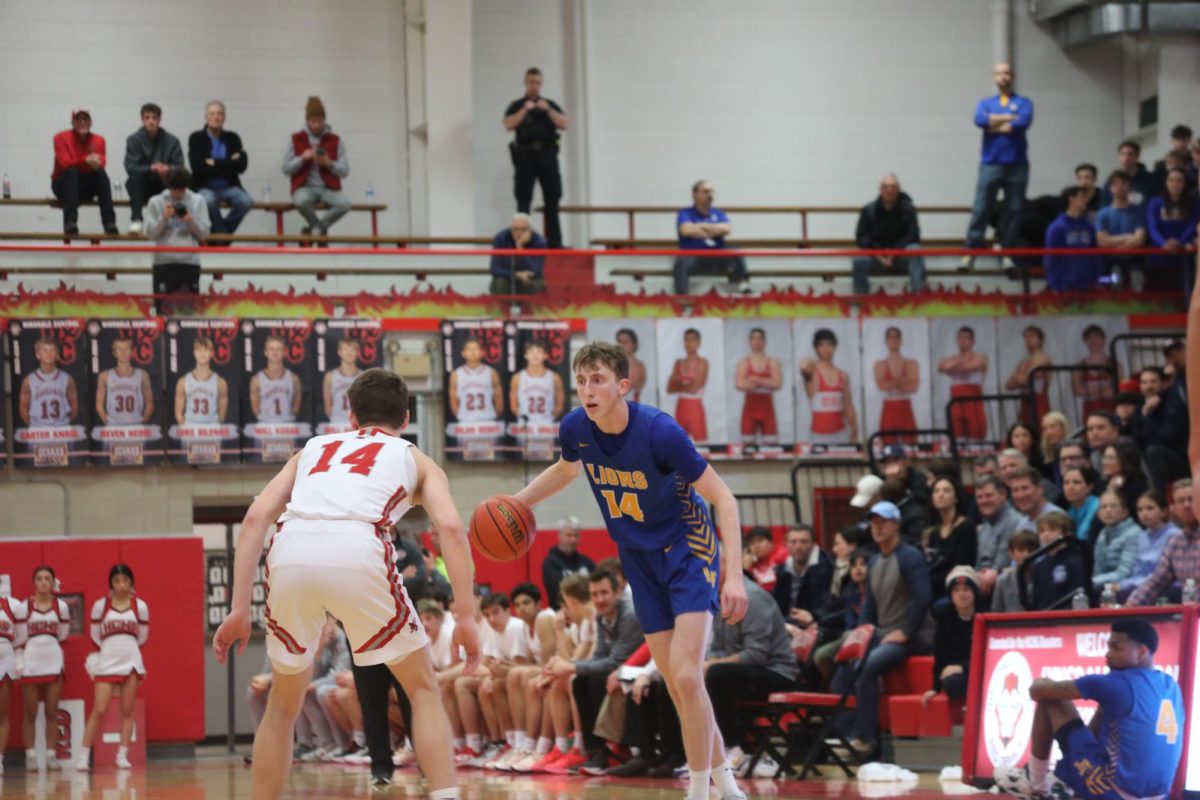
759,377
688,378
333,507
834,419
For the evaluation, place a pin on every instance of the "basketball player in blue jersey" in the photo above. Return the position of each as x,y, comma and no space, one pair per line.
1130,749
653,489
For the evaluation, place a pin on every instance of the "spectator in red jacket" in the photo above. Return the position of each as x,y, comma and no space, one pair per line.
79,161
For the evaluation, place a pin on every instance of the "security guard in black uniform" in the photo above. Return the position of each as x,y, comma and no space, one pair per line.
537,121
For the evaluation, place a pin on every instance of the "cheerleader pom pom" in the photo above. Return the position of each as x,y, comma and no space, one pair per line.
89,664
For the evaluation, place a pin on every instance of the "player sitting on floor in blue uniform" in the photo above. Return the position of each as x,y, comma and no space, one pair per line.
653,489
1131,747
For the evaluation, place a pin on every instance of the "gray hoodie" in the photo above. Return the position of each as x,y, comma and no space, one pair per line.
174,232
761,639
993,538
141,151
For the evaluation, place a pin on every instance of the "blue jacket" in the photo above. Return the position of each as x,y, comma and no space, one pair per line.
1115,553
1004,148
504,266
1071,273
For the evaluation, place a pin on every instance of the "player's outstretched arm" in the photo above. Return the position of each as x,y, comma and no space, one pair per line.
434,496
1046,689
262,514
733,590
553,480
1193,378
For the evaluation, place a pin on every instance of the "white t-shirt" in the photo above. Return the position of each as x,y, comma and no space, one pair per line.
440,649
506,645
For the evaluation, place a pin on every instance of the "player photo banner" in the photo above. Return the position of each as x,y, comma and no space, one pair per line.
49,365
636,336
345,347
277,395
204,381
758,359
476,374
829,397
125,383
539,361
691,381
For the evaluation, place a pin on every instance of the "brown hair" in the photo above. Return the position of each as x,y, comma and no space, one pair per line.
603,354
1022,540
1056,521
1027,473
379,397
575,586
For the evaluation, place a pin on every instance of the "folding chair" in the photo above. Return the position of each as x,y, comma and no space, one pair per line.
817,711
776,716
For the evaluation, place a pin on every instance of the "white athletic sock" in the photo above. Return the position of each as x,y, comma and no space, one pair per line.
726,782
444,794
459,742
360,738
543,745
577,741
698,783
122,752
510,738
563,743
475,742
1039,774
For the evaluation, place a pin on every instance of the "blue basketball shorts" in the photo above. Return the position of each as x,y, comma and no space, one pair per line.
670,581
1084,767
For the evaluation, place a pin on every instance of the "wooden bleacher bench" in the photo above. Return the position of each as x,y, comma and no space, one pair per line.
220,273
255,238
278,208
774,243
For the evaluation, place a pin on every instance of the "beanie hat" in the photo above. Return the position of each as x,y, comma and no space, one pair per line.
964,574
314,108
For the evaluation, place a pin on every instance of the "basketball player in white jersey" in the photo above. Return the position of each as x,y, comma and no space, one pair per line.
536,394
275,392
334,505
201,396
48,395
123,393
13,616
338,381
475,391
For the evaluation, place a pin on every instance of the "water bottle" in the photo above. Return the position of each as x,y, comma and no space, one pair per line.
370,194
1079,601
117,188
7,187
1108,598
1189,591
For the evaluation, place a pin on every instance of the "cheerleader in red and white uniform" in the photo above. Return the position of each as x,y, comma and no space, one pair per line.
47,625
120,626
13,615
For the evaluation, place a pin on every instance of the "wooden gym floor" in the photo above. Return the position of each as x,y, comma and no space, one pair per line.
221,777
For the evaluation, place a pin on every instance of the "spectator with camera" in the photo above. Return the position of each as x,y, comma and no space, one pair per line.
150,152
316,162
178,217
217,159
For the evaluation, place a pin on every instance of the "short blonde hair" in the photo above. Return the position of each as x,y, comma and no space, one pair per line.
603,354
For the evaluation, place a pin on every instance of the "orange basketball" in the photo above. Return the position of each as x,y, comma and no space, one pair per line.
502,528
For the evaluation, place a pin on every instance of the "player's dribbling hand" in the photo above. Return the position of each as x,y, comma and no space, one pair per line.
235,629
733,600
467,636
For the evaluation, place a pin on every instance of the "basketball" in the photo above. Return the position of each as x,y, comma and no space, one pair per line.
502,528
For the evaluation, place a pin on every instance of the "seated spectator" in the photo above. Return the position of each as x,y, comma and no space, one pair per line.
1012,461
1020,438
1180,559
502,644
178,217
1160,428
1029,498
79,176
986,464
761,556
613,564
1115,549
842,616
1054,432
652,726
952,540
954,623
1181,139
1072,229
845,542
618,635
258,691
217,159
746,662
1125,406
1101,430
1085,178
1079,484
1121,472
528,720
802,582
1181,511
702,227
914,515
896,463
564,559
1171,224
1157,530
888,223
1141,181
1121,225
1071,454
315,739
517,274
1000,521
897,603
1058,573
316,162
1006,597
447,676
150,152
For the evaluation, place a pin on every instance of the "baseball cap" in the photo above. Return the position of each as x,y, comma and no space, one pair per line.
75,112
894,451
886,510
865,490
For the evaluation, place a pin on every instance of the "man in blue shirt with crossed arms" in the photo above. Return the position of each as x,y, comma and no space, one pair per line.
1132,746
653,489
